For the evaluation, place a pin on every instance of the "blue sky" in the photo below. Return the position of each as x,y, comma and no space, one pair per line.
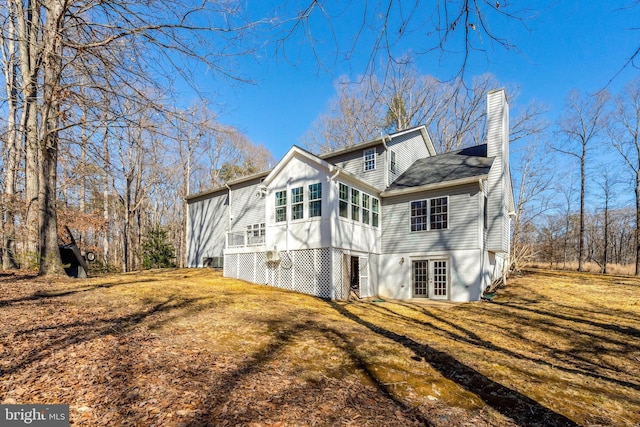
564,45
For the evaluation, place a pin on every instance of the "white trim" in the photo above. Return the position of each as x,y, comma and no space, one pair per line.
435,186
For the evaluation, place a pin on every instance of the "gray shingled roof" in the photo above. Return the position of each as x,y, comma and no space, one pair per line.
465,163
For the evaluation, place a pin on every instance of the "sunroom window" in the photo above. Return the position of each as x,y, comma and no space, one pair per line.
355,204
297,203
281,206
315,199
344,201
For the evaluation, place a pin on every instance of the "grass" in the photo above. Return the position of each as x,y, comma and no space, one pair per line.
189,348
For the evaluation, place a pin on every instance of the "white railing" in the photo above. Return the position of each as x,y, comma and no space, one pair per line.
240,239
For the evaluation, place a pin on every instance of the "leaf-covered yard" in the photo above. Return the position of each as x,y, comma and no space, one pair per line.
190,348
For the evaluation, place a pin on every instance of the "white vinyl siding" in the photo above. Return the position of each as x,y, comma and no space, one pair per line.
406,150
463,224
352,162
207,223
245,207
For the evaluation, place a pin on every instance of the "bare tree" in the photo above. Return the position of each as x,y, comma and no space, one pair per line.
451,30
534,195
12,143
354,116
607,186
53,37
625,137
583,121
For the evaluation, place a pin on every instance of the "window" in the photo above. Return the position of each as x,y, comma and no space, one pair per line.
355,204
419,215
438,213
486,213
297,203
315,199
370,159
393,167
365,208
344,201
281,206
429,214
375,211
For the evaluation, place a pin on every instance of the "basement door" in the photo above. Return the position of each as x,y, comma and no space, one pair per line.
431,279
357,272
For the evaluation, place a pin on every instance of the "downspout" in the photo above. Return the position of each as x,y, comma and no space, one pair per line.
228,214
483,258
288,215
332,219
386,159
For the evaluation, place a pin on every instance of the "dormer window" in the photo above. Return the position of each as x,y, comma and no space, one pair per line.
370,159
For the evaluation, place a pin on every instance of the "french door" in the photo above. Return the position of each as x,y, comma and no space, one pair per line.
431,279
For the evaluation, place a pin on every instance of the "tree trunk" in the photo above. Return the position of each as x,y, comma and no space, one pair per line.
28,21
12,162
637,239
52,70
582,200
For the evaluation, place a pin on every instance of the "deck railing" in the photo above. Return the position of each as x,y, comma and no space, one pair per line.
240,239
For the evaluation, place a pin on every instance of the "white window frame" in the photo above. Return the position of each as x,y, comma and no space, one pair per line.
281,205
439,214
315,200
297,201
429,215
355,204
375,211
393,166
365,212
369,159
344,201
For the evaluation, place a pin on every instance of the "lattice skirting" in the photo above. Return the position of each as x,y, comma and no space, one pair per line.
307,271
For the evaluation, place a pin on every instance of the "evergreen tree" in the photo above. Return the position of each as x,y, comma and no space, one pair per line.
156,251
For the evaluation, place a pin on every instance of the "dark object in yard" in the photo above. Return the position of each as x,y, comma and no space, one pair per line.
75,264
488,296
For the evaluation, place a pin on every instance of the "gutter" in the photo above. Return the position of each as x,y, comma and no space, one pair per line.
435,186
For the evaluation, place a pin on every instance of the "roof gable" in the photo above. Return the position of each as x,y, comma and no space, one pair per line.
297,152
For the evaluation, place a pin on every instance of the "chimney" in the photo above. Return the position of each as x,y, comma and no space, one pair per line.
499,181
497,124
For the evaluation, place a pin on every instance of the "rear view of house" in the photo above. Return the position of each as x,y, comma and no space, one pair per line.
388,217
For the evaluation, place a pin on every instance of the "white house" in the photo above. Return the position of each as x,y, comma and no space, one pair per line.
388,217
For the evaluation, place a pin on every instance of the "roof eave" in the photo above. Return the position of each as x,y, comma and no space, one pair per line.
434,186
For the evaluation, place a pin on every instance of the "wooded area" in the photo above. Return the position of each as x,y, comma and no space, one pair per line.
91,140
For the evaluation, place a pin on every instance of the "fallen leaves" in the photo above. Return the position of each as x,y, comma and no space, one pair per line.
189,348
